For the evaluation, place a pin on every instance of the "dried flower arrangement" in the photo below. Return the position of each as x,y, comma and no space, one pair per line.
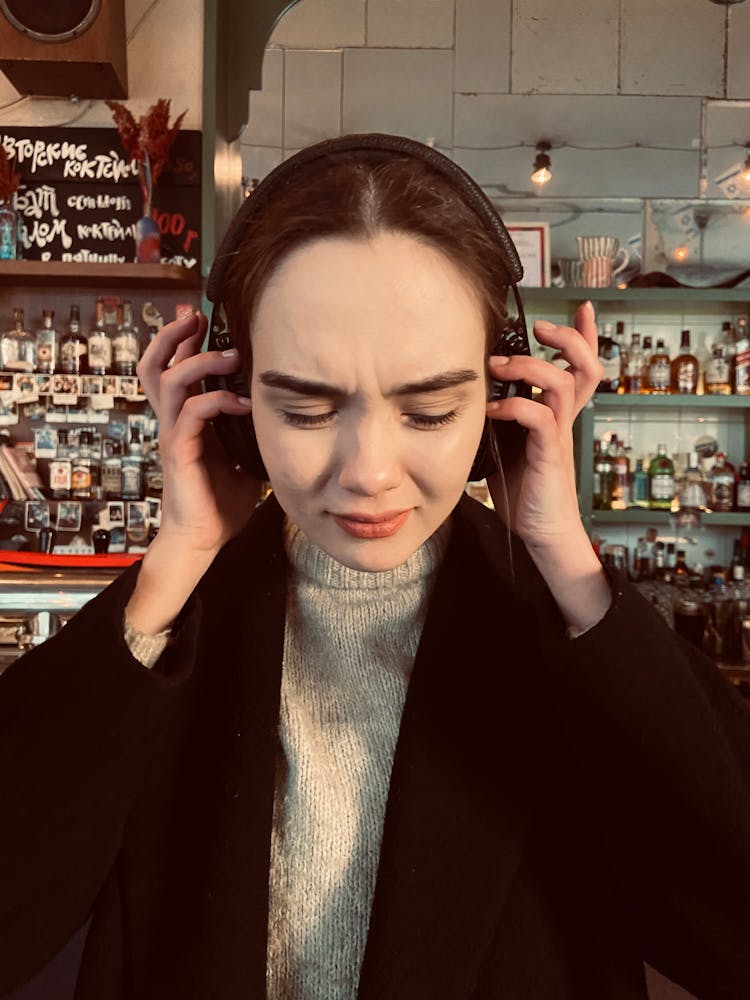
147,141
9,178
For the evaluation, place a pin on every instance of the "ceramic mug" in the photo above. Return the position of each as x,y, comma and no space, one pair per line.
599,257
569,271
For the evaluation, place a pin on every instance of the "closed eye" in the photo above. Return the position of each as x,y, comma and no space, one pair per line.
423,421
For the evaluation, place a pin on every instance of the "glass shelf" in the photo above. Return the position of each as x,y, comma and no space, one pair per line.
639,515
614,400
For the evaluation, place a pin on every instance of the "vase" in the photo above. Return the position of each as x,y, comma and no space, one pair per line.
8,232
147,241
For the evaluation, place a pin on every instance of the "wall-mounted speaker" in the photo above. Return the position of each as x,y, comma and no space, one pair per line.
55,49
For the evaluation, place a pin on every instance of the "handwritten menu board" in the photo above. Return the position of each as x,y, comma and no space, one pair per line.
79,198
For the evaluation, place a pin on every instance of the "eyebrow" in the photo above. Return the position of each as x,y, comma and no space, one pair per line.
307,387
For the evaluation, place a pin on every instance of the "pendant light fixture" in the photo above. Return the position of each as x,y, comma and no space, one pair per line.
542,174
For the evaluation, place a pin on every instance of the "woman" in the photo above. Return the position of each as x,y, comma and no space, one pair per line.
363,742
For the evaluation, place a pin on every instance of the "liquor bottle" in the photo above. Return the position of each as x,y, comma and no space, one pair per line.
596,481
659,370
659,568
153,473
45,352
621,483
737,567
648,350
639,485
729,339
661,480
717,374
132,467
125,346
741,380
684,368
721,484
112,473
610,358
74,349
606,476
634,365
620,341
81,472
100,344
17,353
743,486
60,469
694,492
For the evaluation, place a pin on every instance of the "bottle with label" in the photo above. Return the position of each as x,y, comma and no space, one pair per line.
60,472
684,368
125,347
74,349
606,476
46,344
623,347
153,472
743,486
693,494
717,374
17,347
661,480
610,358
634,365
100,344
112,473
132,467
659,370
729,339
621,482
648,350
639,485
721,484
681,570
741,378
596,482
81,468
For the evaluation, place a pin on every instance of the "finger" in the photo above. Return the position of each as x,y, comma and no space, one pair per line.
585,322
162,349
183,379
198,411
194,343
558,385
544,430
576,348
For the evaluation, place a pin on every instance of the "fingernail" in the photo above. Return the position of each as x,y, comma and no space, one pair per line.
500,359
588,304
231,353
244,400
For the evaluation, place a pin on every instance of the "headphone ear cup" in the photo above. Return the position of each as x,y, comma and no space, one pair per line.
237,437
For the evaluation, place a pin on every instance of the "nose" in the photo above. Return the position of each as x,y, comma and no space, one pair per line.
369,462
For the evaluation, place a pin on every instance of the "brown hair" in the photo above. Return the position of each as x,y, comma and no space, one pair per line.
355,199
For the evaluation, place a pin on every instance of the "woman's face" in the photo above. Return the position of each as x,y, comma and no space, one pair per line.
368,393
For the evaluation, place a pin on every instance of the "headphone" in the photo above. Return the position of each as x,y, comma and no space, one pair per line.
236,433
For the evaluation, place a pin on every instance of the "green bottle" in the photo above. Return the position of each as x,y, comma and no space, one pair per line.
661,480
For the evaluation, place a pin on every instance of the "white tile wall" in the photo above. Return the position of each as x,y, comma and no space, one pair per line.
321,24
410,23
738,65
265,121
403,91
565,48
673,47
312,102
483,46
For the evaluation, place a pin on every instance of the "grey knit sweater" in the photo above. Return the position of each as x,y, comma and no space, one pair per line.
349,646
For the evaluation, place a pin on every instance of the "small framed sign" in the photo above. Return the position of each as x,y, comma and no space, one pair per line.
531,240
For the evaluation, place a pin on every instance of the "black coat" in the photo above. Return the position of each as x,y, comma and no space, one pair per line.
559,811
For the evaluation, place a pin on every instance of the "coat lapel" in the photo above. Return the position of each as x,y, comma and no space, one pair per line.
458,808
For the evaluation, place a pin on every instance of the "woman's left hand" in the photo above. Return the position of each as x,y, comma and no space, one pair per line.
542,500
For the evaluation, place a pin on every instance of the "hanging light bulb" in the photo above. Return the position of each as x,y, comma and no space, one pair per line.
542,173
745,172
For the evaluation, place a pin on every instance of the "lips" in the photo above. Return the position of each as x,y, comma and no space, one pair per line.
372,525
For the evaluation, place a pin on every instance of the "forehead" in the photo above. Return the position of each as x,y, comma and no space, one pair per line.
389,297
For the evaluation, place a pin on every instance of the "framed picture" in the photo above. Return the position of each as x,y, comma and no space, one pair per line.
531,240
36,515
69,515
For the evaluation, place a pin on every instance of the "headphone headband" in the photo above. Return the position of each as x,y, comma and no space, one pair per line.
372,147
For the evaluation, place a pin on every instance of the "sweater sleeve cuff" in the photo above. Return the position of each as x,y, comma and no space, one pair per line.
146,648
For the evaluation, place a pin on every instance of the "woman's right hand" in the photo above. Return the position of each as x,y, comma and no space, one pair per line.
205,500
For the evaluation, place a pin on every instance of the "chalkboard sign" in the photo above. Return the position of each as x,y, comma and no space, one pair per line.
79,198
